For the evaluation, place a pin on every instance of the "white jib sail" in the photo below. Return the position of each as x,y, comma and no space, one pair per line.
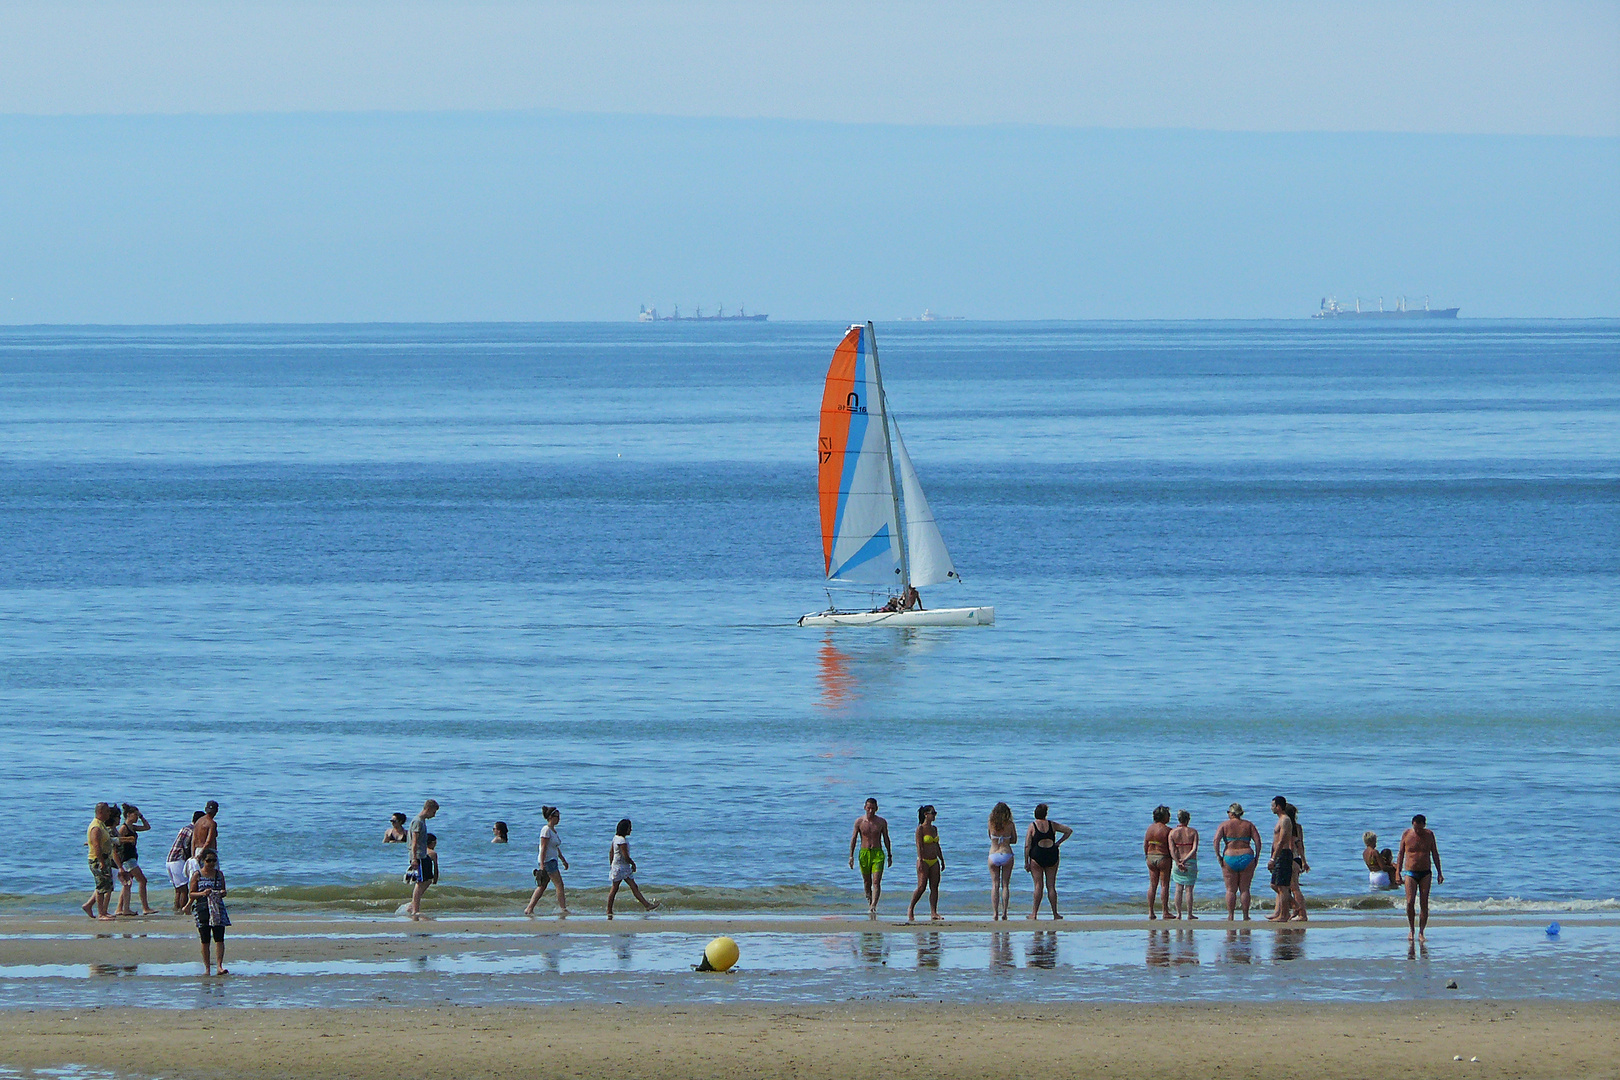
925,547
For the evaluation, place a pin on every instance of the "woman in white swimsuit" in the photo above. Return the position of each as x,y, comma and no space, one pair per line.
1003,834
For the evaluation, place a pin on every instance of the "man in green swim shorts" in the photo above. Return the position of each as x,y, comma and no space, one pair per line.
872,834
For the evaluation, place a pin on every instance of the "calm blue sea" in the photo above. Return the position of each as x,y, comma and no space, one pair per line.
321,573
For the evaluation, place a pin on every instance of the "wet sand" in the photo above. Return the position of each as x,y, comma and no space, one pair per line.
932,1040
36,939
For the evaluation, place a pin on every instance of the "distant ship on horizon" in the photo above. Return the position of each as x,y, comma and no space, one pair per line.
1331,309
651,315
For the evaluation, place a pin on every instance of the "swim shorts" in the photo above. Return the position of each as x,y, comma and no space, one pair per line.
1282,871
177,874
101,870
871,860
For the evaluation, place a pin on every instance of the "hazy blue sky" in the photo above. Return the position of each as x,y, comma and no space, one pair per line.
270,161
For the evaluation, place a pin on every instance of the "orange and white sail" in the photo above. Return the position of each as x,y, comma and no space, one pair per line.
865,536
860,527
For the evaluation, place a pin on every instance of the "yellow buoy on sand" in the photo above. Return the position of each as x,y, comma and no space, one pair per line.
719,955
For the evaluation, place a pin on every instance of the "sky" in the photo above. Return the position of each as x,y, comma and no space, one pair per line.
273,161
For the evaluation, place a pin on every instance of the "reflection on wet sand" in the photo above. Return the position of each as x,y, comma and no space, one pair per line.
1158,948
1185,950
872,948
1237,948
1288,944
1001,951
928,950
102,970
1416,949
1041,951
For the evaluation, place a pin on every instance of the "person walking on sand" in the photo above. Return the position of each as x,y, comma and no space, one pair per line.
178,865
208,896
1418,847
550,854
1281,864
1237,849
103,859
1300,865
1184,864
1041,843
872,834
1003,834
930,864
1156,848
622,869
420,874
205,834
130,872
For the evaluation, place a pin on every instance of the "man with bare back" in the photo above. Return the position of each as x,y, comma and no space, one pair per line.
872,834
1282,861
1413,870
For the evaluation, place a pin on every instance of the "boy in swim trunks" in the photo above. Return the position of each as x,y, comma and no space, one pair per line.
1417,848
872,834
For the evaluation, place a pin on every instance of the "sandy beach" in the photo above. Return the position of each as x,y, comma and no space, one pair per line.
934,1040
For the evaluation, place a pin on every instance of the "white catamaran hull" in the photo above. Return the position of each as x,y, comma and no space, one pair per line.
956,616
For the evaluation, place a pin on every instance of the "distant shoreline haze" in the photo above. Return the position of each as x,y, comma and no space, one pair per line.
523,216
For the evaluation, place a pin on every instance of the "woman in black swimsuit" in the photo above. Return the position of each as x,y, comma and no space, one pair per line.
1041,857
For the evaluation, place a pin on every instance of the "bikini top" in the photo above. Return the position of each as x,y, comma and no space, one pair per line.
929,839
1003,838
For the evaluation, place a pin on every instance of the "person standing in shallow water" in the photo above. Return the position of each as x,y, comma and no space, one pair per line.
930,864
130,872
179,865
103,859
872,834
395,833
1237,849
1184,864
1418,847
1041,843
1282,861
1156,849
205,833
421,866
1003,834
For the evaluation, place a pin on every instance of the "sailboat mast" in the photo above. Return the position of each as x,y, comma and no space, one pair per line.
888,451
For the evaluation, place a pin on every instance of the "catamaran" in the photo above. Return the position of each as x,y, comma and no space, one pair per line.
876,526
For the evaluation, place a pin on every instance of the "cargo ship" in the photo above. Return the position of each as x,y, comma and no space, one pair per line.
1331,309
651,315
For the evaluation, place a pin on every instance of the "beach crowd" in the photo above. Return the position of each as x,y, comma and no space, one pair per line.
1170,853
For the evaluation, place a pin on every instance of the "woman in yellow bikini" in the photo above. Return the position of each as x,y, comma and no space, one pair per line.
930,861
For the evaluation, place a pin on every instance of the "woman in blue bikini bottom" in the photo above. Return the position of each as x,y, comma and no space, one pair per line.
1237,845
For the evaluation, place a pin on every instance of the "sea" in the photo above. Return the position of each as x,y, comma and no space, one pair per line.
323,573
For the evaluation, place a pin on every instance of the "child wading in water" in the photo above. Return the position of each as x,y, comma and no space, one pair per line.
622,869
